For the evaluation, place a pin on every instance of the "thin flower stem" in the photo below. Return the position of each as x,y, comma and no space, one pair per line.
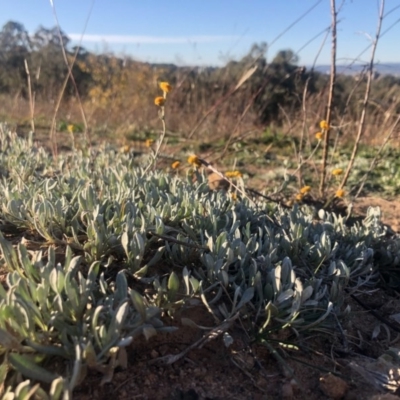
153,162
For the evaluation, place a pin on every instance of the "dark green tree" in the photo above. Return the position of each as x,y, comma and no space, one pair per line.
15,47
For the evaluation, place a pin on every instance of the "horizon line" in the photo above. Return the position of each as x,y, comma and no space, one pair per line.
139,39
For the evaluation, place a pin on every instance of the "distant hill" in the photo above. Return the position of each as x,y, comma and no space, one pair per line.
382,69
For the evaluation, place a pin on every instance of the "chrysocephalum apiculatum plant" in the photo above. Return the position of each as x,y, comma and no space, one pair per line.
90,228
160,101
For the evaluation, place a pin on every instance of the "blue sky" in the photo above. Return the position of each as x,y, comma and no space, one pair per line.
211,32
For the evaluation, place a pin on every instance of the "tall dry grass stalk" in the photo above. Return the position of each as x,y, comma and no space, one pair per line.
31,96
70,76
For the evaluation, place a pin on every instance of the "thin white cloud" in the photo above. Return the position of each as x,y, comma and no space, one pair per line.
121,39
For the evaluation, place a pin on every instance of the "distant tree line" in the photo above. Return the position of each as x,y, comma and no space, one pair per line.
275,91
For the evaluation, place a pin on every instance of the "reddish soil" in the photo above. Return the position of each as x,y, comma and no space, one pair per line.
247,370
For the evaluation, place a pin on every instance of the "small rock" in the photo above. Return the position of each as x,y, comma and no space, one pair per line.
333,386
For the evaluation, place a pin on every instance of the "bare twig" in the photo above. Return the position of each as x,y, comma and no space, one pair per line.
222,176
295,22
376,314
213,334
330,100
370,75
173,240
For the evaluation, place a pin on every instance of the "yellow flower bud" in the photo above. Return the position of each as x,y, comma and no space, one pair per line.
340,193
299,197
233,174
149,142
324,125
175,164
165,87
319,136
159,101
305,189
194,160
71,128
337,172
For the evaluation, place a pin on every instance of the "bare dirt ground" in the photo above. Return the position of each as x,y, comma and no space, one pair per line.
247,370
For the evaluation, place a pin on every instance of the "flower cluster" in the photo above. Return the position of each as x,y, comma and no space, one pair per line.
160,100
302,192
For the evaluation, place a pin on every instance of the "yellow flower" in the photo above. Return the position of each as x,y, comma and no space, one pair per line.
234,196
340,193
165,87
175,164
305,189
337,172
319,135
149,142
159,101
233,174
299,197
71,128
324,125
194,160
